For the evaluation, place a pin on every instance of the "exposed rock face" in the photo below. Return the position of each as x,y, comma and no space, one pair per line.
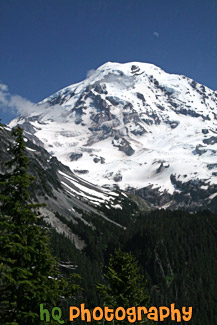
211,140
75,156
123,145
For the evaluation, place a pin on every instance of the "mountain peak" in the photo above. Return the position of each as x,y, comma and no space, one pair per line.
128,67
131,125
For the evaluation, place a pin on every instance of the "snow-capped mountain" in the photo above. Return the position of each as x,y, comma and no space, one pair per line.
133,126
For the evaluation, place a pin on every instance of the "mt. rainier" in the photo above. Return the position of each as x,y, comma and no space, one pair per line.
135,127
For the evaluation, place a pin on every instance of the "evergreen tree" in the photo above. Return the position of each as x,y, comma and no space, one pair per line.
28,271
125,285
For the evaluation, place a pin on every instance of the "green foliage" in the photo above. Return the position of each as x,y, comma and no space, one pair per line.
125,285
29,273
177,251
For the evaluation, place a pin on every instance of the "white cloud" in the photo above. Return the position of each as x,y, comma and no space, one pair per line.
14,104
156,34
22,105
90,73
3,87
3,99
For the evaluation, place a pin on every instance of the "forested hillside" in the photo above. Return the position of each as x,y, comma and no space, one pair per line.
176,253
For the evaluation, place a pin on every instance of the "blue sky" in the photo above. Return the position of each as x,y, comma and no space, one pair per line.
46,45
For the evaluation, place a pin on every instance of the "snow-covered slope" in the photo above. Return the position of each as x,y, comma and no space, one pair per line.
131,125
69,199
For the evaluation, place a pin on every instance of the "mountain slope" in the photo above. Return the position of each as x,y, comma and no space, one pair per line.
133,126
69,199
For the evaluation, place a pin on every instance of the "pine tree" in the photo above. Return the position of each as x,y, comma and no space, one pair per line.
28,271
125,285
